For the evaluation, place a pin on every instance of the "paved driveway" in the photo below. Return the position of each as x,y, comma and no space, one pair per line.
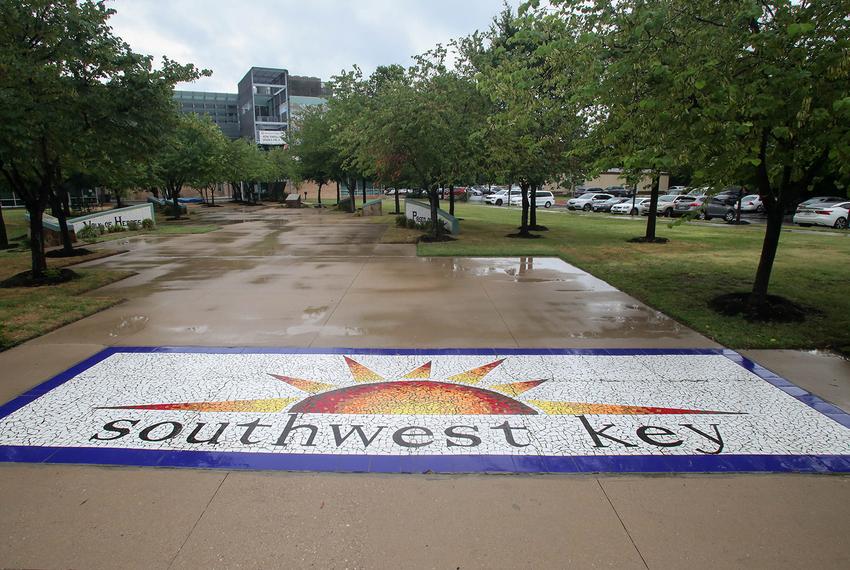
308,279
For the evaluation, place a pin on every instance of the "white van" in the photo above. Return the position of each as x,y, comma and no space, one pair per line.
543,198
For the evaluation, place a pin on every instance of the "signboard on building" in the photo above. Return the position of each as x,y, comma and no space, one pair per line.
270,137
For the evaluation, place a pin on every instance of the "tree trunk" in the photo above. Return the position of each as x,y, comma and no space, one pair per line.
212,193
59,212
4,238
319,197
451,199
352,192
653,210
39,263
532,208
337,193
66,204
175,193
738,206
436,225
523,227
775,215
118,200
397,207
363,181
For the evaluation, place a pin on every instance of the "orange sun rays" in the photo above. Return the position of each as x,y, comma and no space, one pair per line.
361,373
415,392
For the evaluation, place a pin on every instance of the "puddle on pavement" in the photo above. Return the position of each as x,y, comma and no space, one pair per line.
315,314
129,325
529,270
324,330
196,329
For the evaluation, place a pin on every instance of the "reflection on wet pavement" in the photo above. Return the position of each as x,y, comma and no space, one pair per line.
277,277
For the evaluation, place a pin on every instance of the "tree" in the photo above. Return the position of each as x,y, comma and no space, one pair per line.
346,112
4,238
313,146
211,145
284,168
192,152
618,79
754,92
234,164
69,90
530,131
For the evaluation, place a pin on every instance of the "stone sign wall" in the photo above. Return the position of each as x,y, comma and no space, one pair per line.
420,212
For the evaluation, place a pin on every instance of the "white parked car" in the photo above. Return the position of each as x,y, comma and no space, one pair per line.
627,208
830,215
666,204
586,201
502,197
542,198
752,203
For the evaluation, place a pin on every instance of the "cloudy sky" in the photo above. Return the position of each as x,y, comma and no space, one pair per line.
307,37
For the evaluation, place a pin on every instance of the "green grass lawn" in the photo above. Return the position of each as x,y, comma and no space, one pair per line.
16,225
679,278
28,312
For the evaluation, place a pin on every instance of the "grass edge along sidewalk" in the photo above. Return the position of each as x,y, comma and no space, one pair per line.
29,312
679,278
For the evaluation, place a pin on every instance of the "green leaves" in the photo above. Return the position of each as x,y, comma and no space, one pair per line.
799,28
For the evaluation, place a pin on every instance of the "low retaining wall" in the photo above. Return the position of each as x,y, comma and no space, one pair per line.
106,218
373,208
420,212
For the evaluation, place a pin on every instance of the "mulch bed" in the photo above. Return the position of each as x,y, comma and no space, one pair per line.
642,239
50,277
775,309
432,239
77,252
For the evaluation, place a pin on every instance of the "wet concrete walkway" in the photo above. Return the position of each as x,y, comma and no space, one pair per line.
274,277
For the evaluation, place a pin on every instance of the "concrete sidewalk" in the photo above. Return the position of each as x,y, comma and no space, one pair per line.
278,277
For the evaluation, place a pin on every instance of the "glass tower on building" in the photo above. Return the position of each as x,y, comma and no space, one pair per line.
263,100
262,108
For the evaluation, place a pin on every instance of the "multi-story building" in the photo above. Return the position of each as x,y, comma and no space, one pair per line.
220,107
263,106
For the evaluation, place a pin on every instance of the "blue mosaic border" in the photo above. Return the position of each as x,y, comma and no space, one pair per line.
433,463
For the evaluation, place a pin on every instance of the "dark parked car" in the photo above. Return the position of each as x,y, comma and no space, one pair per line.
722,206
606,205
619,191
685,207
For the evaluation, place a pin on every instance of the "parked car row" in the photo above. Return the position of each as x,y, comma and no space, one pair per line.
513,197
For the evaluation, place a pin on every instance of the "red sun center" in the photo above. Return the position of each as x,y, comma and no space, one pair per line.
411,397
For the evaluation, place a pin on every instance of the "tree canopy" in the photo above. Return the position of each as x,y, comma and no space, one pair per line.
71,92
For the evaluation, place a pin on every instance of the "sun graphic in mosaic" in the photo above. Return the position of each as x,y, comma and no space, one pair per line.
415,393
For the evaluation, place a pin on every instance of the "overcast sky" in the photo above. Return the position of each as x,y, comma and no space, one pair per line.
307,37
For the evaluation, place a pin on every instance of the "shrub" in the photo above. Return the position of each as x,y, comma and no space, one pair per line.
115,228
132,226
400,221
88,233
147,224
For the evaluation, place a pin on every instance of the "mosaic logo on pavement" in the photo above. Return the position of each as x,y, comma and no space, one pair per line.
447,410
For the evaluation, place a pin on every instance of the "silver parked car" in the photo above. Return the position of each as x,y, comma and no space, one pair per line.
666,204
606,205
586,201
628,208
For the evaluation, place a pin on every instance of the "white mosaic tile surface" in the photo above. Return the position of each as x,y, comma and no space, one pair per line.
760,418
